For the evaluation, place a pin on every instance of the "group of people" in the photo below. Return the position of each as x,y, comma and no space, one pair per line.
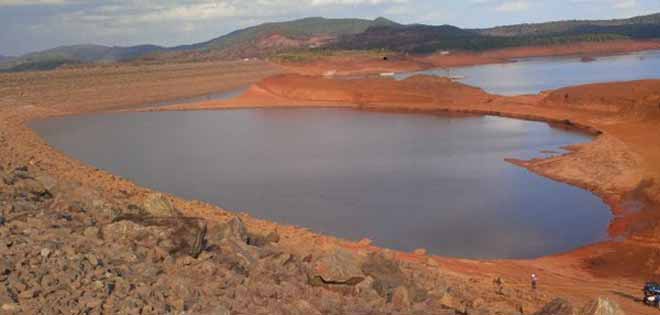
499,283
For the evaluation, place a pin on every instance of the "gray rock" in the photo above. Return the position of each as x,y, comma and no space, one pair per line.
260,240
33,187
401,298
386,273
240,257
155,204
341,267
557,306
49,183
17,174
232,229
601,306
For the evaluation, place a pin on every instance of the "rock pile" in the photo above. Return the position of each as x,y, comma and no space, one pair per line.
599,306
67,250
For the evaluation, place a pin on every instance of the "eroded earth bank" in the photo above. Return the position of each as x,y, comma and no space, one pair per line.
78,240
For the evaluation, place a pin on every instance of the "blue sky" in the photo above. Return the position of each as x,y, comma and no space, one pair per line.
29,25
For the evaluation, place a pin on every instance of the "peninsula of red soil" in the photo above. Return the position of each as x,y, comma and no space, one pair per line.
139,252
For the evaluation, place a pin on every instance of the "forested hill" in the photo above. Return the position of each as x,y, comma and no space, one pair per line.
348,34
426,38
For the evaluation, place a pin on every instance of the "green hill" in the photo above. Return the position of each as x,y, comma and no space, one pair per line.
77,54
354,34
274,37
427,39
559,27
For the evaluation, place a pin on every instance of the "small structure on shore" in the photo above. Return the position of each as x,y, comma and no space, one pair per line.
587,59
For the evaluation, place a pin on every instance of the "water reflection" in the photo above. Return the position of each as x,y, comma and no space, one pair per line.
533,75
406,181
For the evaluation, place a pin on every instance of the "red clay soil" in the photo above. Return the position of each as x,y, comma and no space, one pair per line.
620,165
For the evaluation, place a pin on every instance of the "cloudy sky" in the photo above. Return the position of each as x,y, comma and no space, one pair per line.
29,25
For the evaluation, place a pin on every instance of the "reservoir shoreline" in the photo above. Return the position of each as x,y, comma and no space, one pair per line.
613,166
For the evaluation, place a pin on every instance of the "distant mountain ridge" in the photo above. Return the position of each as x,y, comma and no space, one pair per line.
52,58
267,38
354,34
566,26
420,38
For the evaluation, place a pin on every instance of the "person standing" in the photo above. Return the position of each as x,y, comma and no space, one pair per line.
534,279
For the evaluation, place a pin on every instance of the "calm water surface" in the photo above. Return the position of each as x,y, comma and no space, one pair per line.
533,75
405,181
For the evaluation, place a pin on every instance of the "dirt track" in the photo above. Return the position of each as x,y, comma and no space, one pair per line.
621,163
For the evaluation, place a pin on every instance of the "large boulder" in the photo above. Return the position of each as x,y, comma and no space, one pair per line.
401,298
233,229
155,204
261,240
601,306
386,273
178,236
16,175
557,306
236,254
338,268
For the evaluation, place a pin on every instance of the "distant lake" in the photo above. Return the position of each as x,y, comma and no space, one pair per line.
406,181
533,75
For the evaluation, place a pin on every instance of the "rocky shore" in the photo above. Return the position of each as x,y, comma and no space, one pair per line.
78,240
67,250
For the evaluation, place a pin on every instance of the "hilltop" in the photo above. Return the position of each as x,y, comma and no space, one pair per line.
420,38
268,38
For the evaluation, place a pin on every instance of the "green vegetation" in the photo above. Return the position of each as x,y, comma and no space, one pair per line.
303,28
312,38
565,26
53,58
308,55
428,39
40,65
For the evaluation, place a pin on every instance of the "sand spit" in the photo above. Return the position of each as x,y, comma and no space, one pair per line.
153,253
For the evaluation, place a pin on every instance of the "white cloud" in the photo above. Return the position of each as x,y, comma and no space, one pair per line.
618,4
625,4
353,2
152,11
513,6
33,2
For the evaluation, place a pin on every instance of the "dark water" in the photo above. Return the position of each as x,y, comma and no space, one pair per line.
533,75
405,181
